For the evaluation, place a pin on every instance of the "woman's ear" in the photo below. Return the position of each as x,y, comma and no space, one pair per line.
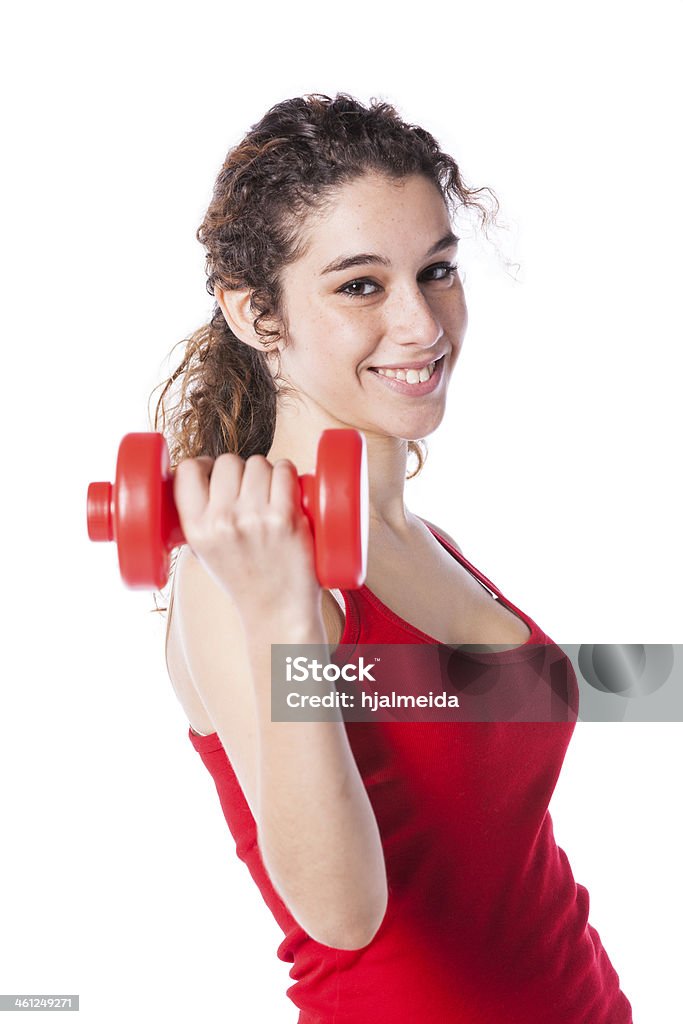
235,306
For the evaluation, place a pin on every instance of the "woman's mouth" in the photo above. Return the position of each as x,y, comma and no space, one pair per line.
412,382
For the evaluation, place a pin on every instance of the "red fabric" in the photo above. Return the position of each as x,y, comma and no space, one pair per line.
485,922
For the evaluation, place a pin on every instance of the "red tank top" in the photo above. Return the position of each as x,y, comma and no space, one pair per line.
484,921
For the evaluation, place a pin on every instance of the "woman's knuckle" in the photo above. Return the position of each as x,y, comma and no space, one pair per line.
248,521
278,520
227,458
223,523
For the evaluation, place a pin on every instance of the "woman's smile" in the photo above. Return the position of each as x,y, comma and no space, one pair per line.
410,383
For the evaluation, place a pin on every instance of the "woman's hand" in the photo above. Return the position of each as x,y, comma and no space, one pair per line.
243,520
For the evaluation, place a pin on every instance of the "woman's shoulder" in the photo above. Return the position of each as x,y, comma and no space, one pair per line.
442,533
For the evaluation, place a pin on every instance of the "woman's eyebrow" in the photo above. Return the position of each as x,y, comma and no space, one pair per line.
344,262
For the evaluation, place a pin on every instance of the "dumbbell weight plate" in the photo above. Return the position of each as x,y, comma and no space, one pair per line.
341,527
140,520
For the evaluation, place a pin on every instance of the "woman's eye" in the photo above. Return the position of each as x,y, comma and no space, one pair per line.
354,284
450,269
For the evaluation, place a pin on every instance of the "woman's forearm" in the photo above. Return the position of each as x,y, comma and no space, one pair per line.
318,835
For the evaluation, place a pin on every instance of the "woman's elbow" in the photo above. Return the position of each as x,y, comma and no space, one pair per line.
356,934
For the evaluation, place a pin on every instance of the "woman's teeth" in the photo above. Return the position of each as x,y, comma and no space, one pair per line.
410,376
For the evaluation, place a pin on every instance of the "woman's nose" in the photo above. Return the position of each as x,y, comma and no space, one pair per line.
412,319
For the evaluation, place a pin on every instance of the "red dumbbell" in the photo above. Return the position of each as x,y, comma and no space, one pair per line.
138,511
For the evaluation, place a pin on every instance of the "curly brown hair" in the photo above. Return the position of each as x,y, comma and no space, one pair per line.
297,158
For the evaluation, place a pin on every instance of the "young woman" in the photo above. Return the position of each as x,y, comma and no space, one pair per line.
411,865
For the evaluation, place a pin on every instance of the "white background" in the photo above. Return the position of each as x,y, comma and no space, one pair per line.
556,467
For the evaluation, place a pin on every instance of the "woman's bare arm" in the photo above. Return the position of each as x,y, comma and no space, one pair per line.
317,831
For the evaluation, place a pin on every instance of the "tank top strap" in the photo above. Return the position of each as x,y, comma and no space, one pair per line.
477,573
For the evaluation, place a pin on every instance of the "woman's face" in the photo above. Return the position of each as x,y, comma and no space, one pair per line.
396,308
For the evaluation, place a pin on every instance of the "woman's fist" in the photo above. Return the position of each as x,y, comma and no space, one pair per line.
243,520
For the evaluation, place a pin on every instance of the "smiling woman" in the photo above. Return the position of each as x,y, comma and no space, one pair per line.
411,318
411,865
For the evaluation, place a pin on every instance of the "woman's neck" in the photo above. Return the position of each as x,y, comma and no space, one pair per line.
387,463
